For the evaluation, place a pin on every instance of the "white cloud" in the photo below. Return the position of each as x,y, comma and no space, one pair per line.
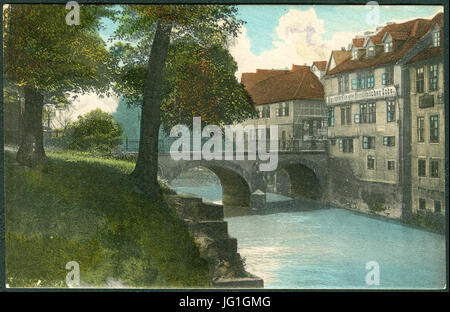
300,42
86,103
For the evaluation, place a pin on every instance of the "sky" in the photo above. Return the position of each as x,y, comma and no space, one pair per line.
277,36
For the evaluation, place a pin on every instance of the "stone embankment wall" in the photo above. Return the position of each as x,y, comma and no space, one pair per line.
347,191
206,223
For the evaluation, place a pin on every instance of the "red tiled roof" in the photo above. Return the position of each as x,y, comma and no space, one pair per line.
250,79
414,29
358,42
298,83
321,65
426,54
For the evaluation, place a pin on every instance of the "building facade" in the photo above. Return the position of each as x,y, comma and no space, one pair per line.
369,119
293,101
426,78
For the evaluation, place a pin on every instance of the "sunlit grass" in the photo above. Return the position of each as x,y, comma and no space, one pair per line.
85,205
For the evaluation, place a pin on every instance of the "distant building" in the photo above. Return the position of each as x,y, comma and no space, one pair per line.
426,86
336,58
369,122
292,100
319,68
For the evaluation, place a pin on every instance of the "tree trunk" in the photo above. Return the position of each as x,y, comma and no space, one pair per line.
145,173
31,151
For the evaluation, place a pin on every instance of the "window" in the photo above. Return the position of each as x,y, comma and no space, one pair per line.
371,51
355,54
342,116
434,168
422,204
347,145
391,165
372,113
286,109
266,112
345,82
348,113
390,109
370,79
419,80
333,142
387,77
434,129
363,113
437,39
361,80
330,116
388,47
389,141
368,142
340,84
354,83
433,78
282,109
370,162
420,129
437,206
422,167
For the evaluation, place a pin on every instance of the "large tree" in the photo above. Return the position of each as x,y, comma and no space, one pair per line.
197,29
49,59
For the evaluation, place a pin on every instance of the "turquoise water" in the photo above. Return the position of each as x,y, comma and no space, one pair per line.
330,248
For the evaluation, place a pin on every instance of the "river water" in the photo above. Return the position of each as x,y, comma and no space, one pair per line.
329,248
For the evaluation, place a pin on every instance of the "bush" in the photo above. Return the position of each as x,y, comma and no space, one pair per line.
95,131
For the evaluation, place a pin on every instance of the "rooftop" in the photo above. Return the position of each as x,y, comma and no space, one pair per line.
272,86
405,35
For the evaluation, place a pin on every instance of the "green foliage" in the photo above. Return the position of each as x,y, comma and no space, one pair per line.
41,261
42,51
94,131
375,202
81,200
198,79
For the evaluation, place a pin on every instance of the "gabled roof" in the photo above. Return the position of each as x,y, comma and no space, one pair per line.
250,79
358,42
297,83
321,65
339,56
411,30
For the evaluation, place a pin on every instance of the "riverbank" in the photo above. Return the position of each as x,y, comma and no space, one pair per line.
84,208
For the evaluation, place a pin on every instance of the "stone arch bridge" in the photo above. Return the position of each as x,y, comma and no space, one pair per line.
244,185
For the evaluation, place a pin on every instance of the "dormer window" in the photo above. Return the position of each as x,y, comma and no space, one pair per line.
355,54
388,47
436,39
371,51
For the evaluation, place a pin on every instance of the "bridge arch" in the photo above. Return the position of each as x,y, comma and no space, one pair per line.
235,181
307,178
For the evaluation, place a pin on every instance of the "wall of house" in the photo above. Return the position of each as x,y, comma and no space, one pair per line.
428,188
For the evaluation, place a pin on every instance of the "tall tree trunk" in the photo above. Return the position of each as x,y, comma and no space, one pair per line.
31,151
145,173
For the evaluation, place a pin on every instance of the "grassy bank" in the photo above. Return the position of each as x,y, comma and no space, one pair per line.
84,208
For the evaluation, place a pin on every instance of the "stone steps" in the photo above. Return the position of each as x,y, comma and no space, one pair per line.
213,229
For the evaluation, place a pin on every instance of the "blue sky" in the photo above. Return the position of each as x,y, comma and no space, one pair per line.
262,20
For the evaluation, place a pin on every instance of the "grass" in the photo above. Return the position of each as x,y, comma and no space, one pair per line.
84,208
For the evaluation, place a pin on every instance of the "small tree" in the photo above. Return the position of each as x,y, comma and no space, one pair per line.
95,131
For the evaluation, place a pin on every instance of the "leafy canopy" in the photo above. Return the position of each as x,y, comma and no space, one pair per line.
42,51
198,79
